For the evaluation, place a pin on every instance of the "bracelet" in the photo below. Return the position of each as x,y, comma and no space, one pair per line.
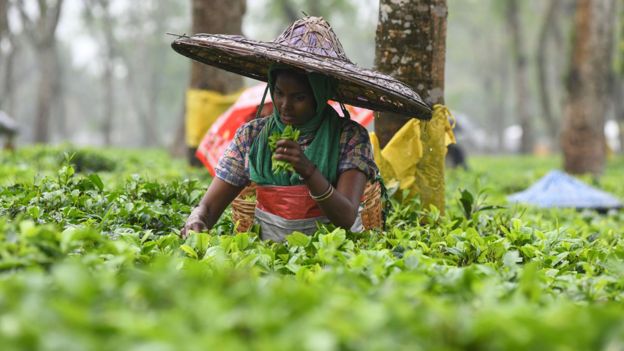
331,192
326,195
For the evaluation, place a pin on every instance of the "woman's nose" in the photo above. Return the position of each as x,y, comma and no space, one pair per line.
285,104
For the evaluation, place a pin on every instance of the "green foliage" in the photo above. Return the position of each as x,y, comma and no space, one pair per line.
85,161
289,133
472,205
112,165
87,263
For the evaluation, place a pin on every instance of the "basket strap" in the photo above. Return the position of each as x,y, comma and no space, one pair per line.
261,106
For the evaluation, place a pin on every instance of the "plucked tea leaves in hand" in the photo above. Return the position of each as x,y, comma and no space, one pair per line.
289,133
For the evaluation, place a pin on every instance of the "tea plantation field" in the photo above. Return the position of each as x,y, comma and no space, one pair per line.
90,259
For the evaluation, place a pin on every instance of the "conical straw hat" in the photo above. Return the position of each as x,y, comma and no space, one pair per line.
309,44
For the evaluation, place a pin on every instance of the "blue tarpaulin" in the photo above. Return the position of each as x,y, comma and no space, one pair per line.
558,189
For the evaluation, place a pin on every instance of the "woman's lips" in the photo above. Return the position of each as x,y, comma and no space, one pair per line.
288,120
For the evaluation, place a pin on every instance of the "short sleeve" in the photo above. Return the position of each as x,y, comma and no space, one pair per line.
232,167
356,151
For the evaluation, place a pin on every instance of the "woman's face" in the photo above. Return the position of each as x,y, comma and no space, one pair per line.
293,98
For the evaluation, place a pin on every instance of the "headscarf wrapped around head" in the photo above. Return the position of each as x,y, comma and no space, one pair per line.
323,151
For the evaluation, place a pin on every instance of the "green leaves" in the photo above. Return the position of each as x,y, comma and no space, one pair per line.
298,239
93,261
96,180
472,205
289,133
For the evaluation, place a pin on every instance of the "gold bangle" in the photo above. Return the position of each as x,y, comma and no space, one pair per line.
331,192
326,194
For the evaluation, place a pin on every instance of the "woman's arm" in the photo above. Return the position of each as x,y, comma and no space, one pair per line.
342,206
205,215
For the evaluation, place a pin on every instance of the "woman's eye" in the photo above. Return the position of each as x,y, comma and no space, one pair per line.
301,98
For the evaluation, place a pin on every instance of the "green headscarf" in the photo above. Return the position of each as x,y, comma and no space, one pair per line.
323,151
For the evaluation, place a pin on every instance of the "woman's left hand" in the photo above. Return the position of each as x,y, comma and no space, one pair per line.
290,151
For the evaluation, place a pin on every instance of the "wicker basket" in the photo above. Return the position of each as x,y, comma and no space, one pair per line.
372,217
244,206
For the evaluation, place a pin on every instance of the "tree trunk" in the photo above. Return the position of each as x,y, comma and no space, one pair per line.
109,100
4,17
145,110
150,135
493,85
223,17
98,16
109,77
7,94
495,73
520,76
178,148
411,46
619,109
6,62
47,72
214,16
501,103
619,83
583,139
58,97
150,121
42,32
547,35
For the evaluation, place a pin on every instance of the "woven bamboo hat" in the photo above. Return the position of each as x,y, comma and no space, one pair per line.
309,44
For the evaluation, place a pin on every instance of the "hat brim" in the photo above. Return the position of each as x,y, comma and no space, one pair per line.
356,86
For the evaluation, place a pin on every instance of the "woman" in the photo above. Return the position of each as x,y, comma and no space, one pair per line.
331,165
332,160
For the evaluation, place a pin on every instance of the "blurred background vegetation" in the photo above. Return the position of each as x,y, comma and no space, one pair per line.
114,80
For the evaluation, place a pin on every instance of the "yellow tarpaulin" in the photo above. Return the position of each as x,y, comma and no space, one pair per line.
413,159
202,109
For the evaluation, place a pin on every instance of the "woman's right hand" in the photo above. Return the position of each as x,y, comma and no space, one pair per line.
211,206
195,222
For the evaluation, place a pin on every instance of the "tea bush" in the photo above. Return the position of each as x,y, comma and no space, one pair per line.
92,261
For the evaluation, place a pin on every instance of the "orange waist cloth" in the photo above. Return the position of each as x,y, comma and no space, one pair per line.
289,202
